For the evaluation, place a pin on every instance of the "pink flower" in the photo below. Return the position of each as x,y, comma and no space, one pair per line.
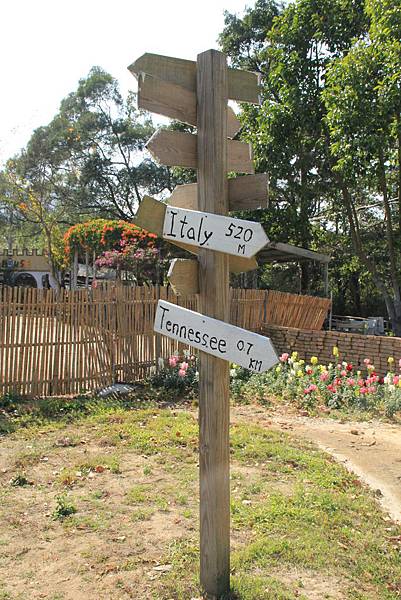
284,357
366,361
396,380
172,361
184,366
371,389
361,382
363,390
324,376
313,387
343,373
399,363
182,373
350,381
309,371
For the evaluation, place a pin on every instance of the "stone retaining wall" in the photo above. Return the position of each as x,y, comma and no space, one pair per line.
352,347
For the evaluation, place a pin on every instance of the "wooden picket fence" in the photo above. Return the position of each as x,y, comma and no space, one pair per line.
77,341
291,310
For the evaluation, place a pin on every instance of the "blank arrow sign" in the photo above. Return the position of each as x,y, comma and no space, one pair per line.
214,232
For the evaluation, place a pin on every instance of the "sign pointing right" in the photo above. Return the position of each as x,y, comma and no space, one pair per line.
245,348
214,232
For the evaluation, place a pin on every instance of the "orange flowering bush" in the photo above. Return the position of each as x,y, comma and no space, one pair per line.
117,245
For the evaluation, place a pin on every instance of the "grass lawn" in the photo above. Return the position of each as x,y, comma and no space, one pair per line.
100,502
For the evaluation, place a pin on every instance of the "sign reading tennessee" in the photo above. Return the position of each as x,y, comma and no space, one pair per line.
249,350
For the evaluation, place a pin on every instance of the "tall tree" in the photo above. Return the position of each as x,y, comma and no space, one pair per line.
363,99
106,136
291,48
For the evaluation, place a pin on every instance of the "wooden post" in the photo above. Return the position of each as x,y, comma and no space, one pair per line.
214,302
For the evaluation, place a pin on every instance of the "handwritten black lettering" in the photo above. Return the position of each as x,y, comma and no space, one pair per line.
254,364
249,347
191,233
183,222
164,309
207,237
173,214
213,343
222,346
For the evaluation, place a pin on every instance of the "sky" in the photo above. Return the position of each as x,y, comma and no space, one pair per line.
46,46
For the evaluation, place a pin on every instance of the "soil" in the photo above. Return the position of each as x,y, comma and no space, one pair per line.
120,557
371,450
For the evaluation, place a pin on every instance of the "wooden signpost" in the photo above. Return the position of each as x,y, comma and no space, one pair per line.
151,216
215,232
249,192
249,350
183,276
176,102
197,92
175,148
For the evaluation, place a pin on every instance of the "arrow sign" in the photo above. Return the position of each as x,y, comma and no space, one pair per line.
249,350
175,101
151,216
214,232
249,192
183,276
178,149
242,85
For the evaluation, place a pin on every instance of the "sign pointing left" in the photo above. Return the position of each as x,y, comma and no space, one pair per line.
175,101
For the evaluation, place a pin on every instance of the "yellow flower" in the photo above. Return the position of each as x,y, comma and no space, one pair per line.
301,362
294,355
278,369
322,368
357,393
314,360
300,373
335,351
390,360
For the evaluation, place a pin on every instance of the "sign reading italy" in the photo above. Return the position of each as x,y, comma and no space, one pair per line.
249,350
214,232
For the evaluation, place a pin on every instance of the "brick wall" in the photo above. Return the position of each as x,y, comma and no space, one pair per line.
352,347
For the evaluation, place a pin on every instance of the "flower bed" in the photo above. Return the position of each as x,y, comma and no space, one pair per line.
337,385
310,385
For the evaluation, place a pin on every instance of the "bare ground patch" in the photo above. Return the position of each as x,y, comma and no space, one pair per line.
132,478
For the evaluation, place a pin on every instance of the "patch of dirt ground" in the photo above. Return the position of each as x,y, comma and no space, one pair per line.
114,547
371,450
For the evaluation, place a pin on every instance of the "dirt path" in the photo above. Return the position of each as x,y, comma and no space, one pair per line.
371,450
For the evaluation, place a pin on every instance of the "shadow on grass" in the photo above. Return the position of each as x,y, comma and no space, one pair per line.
18,412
